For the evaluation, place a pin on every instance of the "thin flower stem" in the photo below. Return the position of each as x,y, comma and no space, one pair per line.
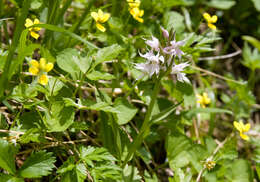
145,126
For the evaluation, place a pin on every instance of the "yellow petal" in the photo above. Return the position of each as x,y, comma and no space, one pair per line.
48,67
207,17
141,13
43,79
100,13
34,63
33,70
237,126
36,21
247,127
214,19
42,63
139,19
28,22
105,18
95,16
100,27
34,35
211,26
244,137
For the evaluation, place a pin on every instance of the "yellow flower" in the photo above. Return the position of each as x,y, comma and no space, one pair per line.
210,20
203,99
242,128
43,79
137,14
100,18
39,68
45,67
134,3
33,30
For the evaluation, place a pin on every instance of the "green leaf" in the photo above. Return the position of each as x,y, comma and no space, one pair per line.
252,40
169,3
257,4
165,113
174,20
107,54
221,4
37,165
193,112
126,111
91,105
131,174
97,75
90,154
241,171
70,61
59,117
9,178
7,156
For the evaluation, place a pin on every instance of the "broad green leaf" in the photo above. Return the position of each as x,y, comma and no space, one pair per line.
97,75
107,54
241,171
37,165
174,20
54,86
33,134
70,61
257,4
221,4
126,111
58,117
7,156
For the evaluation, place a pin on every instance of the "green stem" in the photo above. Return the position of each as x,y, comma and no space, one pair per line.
145,126
18,30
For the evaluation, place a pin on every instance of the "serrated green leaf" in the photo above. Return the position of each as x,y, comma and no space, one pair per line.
126,111
58,117
107,54
37,165
7,156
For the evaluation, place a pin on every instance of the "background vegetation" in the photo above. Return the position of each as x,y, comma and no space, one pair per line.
86,112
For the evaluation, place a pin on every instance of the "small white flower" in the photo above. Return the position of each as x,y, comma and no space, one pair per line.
177,69
154,43
174,48
152,58
148,68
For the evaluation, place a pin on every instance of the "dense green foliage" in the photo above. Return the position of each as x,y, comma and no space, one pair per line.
129,90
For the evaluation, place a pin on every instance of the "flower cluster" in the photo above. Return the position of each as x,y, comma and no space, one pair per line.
100,17
40,69
34,30
242,128
135,11
162,58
